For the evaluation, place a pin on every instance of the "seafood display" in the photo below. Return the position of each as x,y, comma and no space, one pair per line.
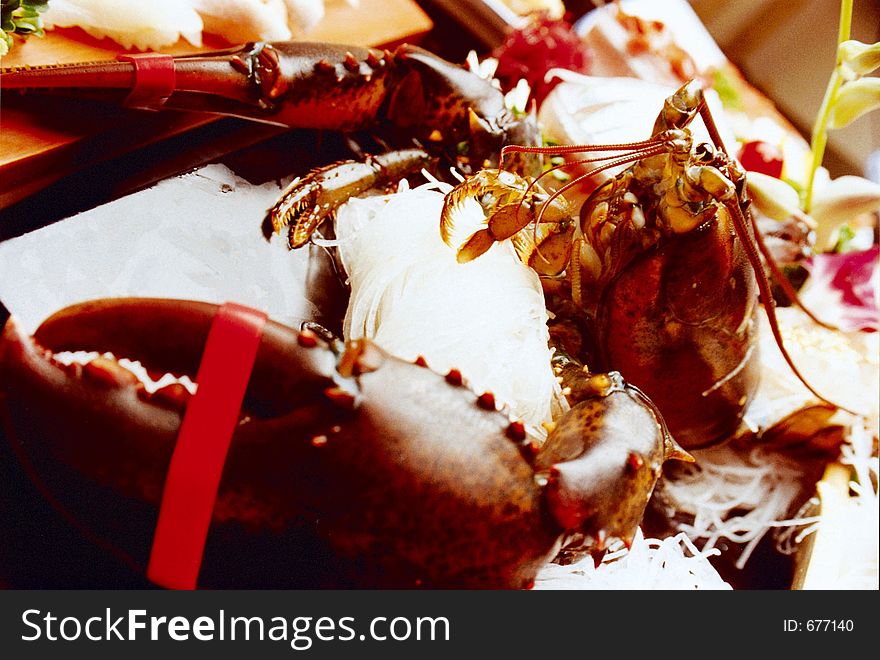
529,337
687,338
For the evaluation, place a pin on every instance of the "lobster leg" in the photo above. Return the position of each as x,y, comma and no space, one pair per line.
307,202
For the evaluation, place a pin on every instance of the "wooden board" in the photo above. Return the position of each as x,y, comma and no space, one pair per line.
43,139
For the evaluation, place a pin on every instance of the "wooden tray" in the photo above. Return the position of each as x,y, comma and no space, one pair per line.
43,139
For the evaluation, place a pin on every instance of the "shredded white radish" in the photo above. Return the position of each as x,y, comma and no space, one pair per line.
847,526
486,318
670,563
734,495
859,567
740,495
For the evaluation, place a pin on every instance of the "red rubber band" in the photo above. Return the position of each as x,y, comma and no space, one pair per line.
154,79
202,443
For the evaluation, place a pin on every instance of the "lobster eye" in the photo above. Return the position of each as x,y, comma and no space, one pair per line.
704,152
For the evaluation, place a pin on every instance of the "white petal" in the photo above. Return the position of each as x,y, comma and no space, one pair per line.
773,197
841,200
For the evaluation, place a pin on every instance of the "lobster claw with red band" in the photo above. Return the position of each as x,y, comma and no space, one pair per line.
409,98
346,467
408,93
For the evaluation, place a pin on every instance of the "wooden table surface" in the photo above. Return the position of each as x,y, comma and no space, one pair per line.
43,139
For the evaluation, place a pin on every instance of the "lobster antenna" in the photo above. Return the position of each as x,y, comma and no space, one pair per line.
778,275
625,160
743,230
636,149
749,235
634,155
630,158
711,127
578,148
582,161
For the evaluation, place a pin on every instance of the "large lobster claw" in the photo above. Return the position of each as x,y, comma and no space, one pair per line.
602,461
307,85
351,470
348,467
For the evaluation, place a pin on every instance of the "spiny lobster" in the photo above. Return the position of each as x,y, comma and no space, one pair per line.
657,273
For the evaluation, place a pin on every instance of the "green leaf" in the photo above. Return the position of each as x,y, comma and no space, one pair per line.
20,17
726,91
860,58
854,99
845,235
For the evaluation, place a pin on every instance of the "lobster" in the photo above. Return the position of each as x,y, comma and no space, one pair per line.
498,508
355,515
426,107
347,468
656,275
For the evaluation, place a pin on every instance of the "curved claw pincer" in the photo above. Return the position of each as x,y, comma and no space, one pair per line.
601,463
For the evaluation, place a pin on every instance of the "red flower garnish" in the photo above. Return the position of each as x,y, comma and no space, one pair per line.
529,53
763,157
853,278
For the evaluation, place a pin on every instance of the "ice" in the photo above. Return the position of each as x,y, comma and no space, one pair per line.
196,237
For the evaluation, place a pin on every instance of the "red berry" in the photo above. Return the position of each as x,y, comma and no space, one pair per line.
530,52
761,157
